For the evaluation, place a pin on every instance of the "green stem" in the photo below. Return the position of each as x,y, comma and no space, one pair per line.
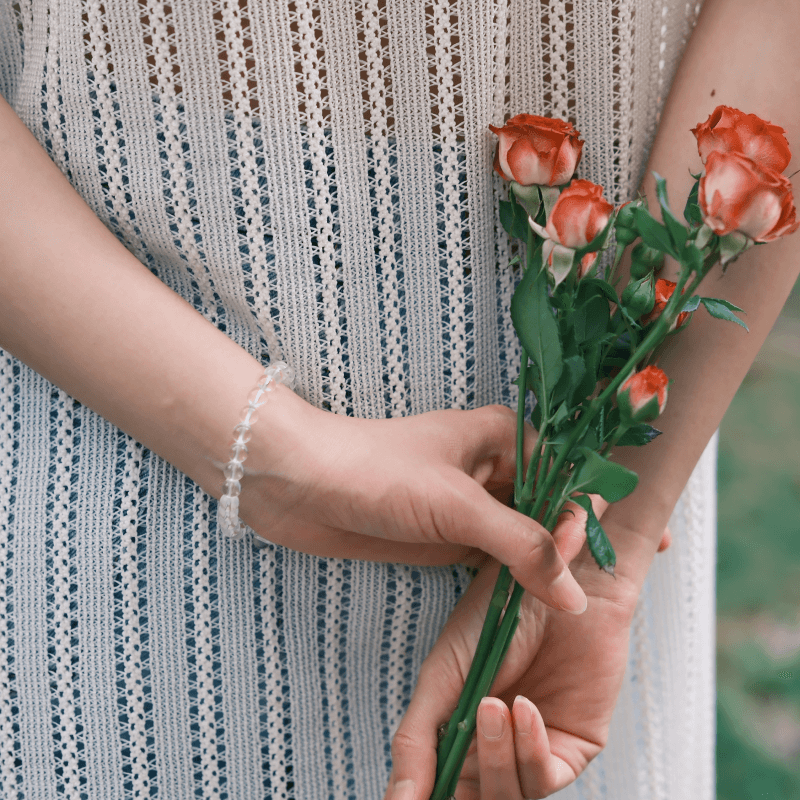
495,639
485,644
523,391
458,751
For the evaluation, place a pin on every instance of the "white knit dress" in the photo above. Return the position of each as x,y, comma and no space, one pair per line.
314,176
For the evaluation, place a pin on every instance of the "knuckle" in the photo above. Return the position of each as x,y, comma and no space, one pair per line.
403,746
538,549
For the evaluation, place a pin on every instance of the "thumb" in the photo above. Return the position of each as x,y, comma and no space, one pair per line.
570,531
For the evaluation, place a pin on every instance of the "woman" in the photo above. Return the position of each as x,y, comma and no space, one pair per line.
311,182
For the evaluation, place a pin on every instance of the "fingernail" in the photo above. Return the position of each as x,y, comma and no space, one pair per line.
523,719
404,790
566,592
491,719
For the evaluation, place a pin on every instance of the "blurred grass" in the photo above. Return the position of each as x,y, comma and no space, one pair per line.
758,576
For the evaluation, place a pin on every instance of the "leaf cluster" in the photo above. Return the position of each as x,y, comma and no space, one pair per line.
584,337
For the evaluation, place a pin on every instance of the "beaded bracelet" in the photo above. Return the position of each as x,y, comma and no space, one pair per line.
228,520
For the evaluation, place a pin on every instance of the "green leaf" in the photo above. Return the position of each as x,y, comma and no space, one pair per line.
592,313
677,231
638,435
599,545
561,415
602,286
598,475
730,306
692,257
507,216
537,330
591,360
519,226
691,211
691,304
722,310
570,380
653,233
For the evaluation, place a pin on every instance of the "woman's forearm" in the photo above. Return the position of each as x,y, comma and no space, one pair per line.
742,55
81,310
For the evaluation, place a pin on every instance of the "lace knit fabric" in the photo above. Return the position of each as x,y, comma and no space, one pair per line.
315,178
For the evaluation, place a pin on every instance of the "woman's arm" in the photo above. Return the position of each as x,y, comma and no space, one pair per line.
80,309
744,55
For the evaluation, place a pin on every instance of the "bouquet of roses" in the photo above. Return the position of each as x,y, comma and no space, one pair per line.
589,351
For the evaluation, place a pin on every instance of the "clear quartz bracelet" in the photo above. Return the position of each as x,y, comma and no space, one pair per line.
228,520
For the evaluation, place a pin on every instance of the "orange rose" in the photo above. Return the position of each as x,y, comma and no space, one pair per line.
737,194
537,150
664,290
729,130
579,214
643,396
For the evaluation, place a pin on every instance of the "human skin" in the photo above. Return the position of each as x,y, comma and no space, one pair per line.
78,308
742,55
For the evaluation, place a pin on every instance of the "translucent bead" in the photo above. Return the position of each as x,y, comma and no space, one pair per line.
242,433
257,397
249,415
238,451
285,374
233,470
232,487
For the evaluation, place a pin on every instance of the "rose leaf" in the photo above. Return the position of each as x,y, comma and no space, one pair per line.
599,545
722,310
598,475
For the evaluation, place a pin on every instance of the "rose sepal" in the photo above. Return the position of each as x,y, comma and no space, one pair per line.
529,197
550,195
629,417
732,245
559,259
704,236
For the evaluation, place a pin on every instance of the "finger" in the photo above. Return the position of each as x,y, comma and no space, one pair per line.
497,767
666,540
414,746
540,772
489,447
570,531
475,518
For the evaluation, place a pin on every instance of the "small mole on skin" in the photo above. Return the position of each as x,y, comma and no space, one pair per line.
713,92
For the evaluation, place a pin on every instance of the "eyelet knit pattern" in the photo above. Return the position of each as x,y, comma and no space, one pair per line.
315,179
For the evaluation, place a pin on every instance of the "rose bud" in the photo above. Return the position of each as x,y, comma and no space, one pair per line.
639,295
578,216
537,150
736,194
643,396
729,130
645,260
664,290
625,231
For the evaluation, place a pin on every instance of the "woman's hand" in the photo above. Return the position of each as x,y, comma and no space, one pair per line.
427,489
552,701
423,489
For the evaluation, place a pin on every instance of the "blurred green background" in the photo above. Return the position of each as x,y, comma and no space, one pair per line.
758,576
